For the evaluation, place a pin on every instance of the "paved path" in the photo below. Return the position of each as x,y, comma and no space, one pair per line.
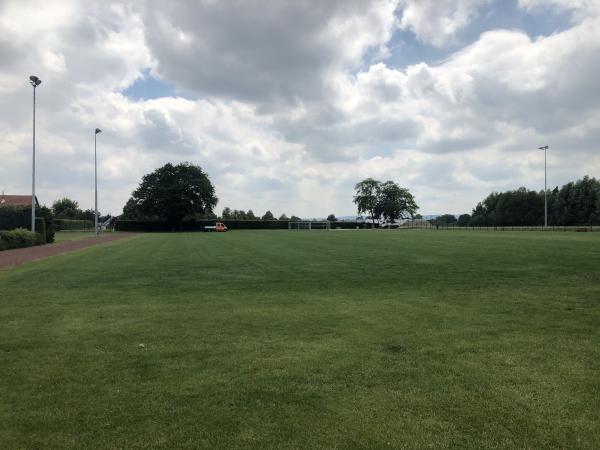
24,255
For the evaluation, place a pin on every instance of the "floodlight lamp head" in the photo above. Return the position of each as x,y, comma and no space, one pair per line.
35,81
98,130
545,147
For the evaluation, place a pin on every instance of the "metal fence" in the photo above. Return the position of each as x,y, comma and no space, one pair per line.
444,226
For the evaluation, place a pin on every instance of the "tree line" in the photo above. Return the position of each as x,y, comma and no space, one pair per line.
575,203
235,214
66,208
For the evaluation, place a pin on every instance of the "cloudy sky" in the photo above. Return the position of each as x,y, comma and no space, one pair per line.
287,104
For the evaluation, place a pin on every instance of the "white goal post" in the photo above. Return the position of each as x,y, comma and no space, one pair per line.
310,225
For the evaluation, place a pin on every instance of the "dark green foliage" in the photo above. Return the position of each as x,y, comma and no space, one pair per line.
19,238
365,197
40,230
384,200
198,225
68,224
268,216
20,217
46,214
351,225
65,208
464,220
576,203
14,217
394,202
226,214
332,218
295,219
172,193
447,219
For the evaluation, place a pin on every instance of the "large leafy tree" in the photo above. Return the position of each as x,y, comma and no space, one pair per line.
394,202
174,192
365,197
387,200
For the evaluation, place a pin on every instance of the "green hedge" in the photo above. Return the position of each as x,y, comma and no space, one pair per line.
19,238
161,226
351,225
73,224
12,218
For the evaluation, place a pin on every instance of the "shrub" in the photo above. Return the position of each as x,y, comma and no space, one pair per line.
18,238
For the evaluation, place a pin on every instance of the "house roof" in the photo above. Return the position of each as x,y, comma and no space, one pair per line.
16,200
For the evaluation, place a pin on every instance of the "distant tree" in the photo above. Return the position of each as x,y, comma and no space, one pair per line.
576,203
250,215
226,214
464,220
365,197
238,214
332,218
394,202
88,214
173,192
387,200
268,216
447,219
295,219
520,207
418,217
65,208
283,217
207,215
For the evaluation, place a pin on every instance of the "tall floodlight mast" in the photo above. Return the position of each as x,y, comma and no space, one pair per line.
98,130
35,82
545,148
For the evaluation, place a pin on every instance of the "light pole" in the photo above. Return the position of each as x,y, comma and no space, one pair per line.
545,148
98,130
35,82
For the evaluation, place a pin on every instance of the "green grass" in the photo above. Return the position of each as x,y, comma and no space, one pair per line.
340,339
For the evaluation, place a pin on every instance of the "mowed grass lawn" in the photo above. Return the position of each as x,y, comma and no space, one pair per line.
283,339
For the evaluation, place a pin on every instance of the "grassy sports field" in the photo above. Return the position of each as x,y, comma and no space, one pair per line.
282,339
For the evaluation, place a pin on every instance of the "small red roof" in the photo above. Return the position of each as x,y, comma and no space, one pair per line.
16,200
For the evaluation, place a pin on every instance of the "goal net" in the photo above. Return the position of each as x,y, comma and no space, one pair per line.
308,225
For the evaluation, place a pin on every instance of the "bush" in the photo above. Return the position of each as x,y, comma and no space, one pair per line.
18,238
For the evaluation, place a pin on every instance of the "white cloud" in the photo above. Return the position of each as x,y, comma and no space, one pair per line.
436,22
580,9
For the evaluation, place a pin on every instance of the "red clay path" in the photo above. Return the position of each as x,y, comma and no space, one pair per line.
24,255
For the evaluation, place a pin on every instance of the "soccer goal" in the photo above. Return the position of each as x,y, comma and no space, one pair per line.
308,226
